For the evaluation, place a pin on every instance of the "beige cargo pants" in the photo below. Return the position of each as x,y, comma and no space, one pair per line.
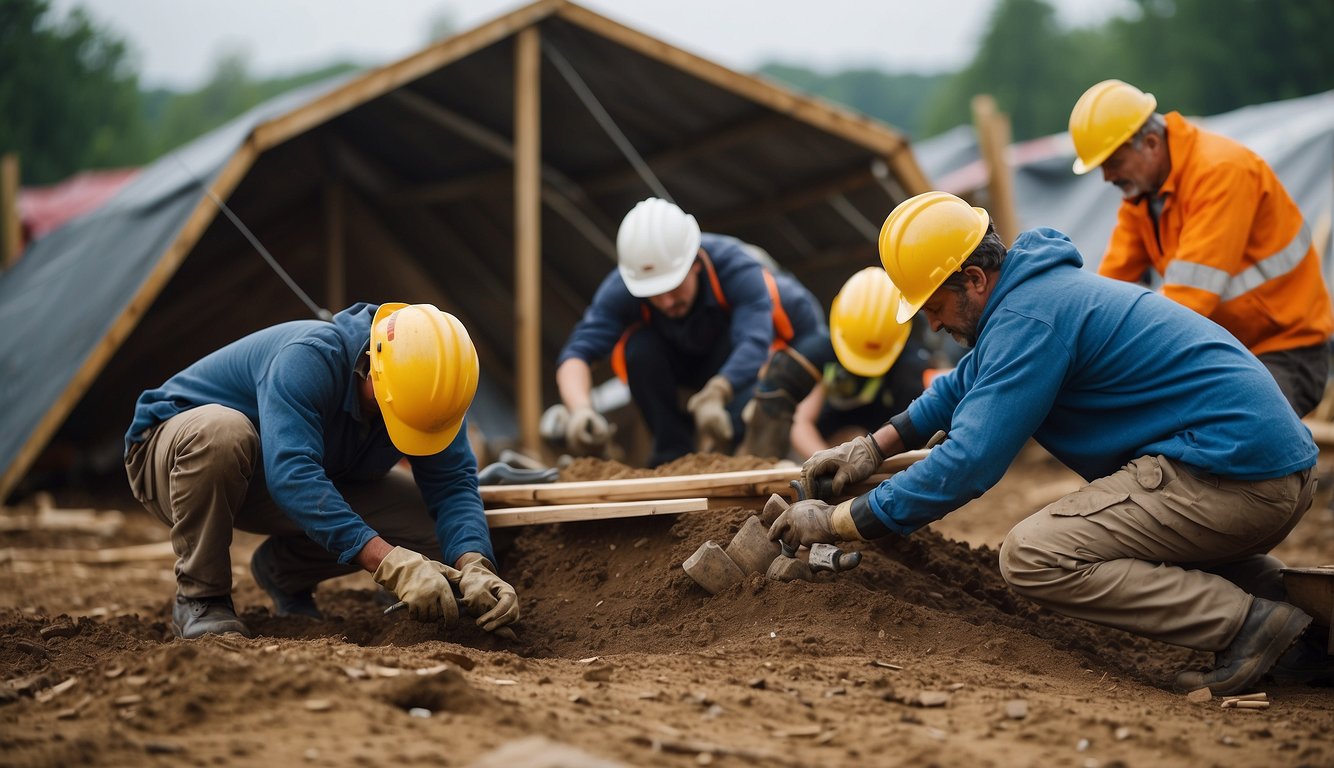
1157,551
195,473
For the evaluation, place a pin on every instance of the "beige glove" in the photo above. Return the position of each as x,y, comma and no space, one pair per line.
486,595
713,424
815,522
420,582
587,431
851,462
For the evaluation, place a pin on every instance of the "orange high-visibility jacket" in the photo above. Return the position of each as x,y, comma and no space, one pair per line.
1231,244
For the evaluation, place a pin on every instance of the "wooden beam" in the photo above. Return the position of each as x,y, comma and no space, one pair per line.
11,225
690,150
569,513
993,139
757,483
380,81
203,214
1321,431
160,550
816,192
528,235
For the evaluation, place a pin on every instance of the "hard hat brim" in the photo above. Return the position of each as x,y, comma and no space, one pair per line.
868,366
645,288
413,442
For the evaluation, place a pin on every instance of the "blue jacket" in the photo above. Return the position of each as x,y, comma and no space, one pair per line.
749,325
1098,372
297,384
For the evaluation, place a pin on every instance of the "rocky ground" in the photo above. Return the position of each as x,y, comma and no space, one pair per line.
920,656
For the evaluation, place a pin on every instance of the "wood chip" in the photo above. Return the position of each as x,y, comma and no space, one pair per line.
1016,709
885,665
127,700
56,690
318,705
1200,695
931,699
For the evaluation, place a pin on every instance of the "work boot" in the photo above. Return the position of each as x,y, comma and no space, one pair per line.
768,418
1269,630
193,617
285,603
1307,662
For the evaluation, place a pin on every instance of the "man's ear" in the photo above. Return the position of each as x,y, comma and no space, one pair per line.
978,279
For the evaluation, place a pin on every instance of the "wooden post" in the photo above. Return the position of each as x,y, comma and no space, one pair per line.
335,279
993,139
11,232
528,234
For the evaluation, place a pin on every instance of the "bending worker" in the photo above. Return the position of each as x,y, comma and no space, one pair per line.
1195,467
866,370
293,431
1212,218
682,311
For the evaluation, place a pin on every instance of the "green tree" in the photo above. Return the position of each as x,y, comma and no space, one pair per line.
897,99
69,95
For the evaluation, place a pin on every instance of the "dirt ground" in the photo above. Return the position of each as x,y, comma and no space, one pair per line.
921,656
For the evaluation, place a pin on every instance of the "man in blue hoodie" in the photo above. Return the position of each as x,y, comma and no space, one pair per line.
293,431
1196,466
683,310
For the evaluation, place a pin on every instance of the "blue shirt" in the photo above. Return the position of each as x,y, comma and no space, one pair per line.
297,384
749,324
1098,372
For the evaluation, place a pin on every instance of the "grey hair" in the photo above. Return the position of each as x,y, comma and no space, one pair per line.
988,256
1155,124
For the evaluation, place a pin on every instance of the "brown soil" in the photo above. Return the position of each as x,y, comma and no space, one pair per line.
621,655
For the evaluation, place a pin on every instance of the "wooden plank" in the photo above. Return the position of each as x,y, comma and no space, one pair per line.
377,82
137,553
757,483
11,226
570,513
528,235
1321,431
993,139
203,214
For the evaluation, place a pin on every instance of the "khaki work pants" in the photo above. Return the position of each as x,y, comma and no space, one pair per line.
200,473
1157,551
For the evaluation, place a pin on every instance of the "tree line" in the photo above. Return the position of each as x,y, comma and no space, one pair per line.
71,97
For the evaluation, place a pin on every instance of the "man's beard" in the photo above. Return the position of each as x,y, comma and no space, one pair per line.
965,334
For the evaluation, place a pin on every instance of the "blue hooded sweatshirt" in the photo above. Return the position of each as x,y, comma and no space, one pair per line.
748,326
1098,372
297,384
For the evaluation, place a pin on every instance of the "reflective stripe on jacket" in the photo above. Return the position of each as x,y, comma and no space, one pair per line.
1230,244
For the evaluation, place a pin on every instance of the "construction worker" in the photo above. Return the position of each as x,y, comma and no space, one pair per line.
682,311
1212,218
1196,468
866,370
293,431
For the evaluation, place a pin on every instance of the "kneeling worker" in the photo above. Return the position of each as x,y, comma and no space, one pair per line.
684,310
1196,467
294,431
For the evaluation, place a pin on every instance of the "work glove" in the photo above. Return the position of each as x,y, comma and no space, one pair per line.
849,463
486,595
815,522
420,582
713,424
587,431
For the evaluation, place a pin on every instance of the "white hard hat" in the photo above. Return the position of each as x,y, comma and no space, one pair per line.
655,247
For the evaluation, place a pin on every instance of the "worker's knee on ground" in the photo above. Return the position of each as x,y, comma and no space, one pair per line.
787,371
1021,563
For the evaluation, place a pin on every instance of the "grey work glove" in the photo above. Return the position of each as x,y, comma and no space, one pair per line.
587,431
486,595
849,463
420,582
815,522
713,424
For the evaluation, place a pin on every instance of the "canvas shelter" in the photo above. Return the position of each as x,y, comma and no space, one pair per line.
486,173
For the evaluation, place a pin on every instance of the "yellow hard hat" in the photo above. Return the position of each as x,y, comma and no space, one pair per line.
867,338
424,369
1104,118
924,240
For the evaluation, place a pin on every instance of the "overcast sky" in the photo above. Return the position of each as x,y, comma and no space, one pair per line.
177,42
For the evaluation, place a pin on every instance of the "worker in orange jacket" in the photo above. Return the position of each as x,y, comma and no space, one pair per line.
1212,218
